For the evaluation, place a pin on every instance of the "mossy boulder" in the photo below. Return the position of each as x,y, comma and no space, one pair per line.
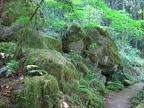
38,91
102,51
38,40
73,40
3,104
55,64
95,45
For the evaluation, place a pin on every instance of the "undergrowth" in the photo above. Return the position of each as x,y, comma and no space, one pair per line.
115,84
138,99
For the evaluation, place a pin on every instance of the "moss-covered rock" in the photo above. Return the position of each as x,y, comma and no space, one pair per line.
3,104
38,40
97,48
38,91
74,39
55,64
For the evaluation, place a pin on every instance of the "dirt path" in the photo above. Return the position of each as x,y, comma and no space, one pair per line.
121,99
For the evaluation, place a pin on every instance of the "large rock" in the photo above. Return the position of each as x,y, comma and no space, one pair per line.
38,40
36,93
99,50
73,41
56,65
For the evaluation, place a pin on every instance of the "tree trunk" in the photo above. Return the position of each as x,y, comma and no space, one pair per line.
1,9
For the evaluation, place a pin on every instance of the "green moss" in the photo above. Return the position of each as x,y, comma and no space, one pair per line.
39,40
75,38
35,89
53,43
55,64
112,52
3,104
50,85
70,86
74,33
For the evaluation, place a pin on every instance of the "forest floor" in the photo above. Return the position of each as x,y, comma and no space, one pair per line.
121,99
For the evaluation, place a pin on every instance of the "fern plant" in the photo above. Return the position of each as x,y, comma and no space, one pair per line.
12,67
34,70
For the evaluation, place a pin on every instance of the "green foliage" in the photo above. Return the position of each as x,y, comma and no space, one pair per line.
34,70
137,99
131,57
4,104
115,84
93,45
7,47
12,67
38,90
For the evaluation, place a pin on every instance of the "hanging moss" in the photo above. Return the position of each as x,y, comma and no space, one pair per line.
34,91
3,104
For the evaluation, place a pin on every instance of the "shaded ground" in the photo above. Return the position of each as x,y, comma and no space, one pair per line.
121,99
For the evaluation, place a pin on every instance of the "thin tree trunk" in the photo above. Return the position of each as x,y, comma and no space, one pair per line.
1,9
20,42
